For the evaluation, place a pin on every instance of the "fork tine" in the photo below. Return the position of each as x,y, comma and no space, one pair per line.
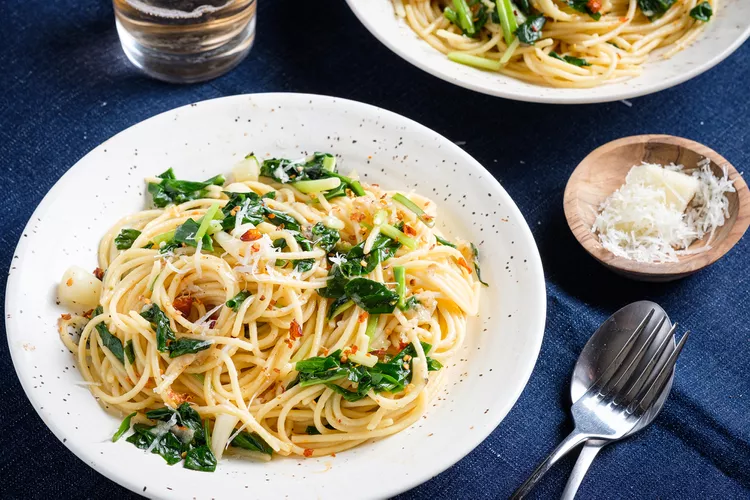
650,368
624,375
653,387
608,372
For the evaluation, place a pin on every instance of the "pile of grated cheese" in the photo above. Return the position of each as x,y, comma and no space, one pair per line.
660,211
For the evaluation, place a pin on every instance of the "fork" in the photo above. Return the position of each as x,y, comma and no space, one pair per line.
617,399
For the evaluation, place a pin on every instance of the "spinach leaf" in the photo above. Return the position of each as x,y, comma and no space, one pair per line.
124,427
200,459
171,190
445,242
325,237
186,417
169,246
246,204
702,12
654,9
187,346
251,441
317,166
475,256
530,32
282,220
585,7
524,6
320,370
235,302
129,353
108,340
351,265
575,61
159,321
125,239
186,232
168,446
303,265
373,297
391,375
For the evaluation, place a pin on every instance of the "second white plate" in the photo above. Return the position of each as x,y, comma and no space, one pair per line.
726,31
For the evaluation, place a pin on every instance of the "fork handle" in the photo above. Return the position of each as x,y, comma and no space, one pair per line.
574,439
588,453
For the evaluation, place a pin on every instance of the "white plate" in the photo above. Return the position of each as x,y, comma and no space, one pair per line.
201,140
726,31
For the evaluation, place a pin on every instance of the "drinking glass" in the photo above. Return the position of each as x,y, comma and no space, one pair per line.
185,41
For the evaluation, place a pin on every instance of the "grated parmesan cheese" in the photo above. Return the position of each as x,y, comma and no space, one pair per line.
641,222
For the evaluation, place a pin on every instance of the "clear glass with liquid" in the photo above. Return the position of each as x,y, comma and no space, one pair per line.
185,41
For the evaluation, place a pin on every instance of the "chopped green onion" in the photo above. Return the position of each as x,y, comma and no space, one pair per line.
443,241
475,61
510,51
210,214
426,219
168,236
399,273
463,15
399,236
507,20
318,185
124,427
372,325
329,163
380,217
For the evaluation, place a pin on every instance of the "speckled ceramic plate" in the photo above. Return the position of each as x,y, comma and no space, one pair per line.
726,31
203,139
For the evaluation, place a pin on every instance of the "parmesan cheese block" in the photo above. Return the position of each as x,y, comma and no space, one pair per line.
678,187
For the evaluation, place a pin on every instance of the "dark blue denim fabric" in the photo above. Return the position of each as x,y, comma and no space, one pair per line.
65,87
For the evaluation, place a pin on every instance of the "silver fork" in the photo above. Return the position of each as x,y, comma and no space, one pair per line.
616,401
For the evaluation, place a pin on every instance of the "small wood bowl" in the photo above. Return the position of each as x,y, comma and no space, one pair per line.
603,171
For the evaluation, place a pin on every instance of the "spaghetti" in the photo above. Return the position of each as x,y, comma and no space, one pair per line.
559,43
300,314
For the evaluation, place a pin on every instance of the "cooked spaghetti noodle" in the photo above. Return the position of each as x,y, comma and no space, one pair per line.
248,322
568,48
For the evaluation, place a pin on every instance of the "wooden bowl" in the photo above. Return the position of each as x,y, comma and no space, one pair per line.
603,171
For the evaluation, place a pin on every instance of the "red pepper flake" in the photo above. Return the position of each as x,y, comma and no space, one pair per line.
462,263
271,216
69,282
355,348
308,452
402,345
262,297
251,235
277,370
183,305
295,331
380,353
212,324
624,19
99,273
594,6
409,231
357,216
66,317
255,247
88,313
362,317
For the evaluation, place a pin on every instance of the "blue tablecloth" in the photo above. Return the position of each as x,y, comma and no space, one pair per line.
65,86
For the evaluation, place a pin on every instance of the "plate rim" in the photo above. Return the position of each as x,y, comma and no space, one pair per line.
537,326
543,99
